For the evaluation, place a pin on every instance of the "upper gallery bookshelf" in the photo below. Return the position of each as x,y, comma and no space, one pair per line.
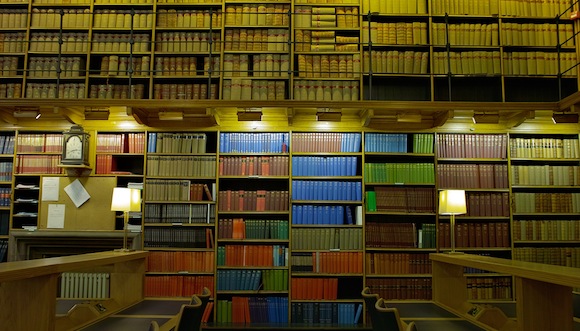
327,240
544,182
400,220
179,212
489,50
253,228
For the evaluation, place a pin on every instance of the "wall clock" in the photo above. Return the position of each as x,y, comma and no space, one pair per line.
75,147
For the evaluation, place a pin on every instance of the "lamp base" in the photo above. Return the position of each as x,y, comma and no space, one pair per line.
124,250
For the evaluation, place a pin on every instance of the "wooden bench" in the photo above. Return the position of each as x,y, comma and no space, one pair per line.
543,293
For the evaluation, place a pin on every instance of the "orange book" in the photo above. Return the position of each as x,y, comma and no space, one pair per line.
246,303
265,166
238,228
207,312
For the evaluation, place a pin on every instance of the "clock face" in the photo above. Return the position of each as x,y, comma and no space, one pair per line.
74,148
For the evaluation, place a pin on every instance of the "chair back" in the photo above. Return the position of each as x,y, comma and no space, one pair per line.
204,297
387,318
190,316
154,326
370,300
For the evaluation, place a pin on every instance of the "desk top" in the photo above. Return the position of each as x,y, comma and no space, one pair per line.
548,273
10,271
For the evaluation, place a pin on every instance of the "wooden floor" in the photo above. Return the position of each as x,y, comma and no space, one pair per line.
426,315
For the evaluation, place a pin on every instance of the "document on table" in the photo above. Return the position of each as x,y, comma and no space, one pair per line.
77,193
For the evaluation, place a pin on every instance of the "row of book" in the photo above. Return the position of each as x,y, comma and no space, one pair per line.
7,144
84,285
549,230
395,6
3,250
48,18
167,142
253,165
326,215
326,17
343,239
120,143
392,235
493,204
188,18
480,234
185,91
395,62
120,42
115,65
401,288
263,14
239,228
38,164
454,145
544,148
248,310
324,41
326,190
39,142
53,90
13,18
180,261
398,143
4,223
328,66
256,65
326,90
184,42
243,39
5,199
395,33
524,202
546,175
179,213
326,142
397,263
9,66
467,63
10,91
465,34
462,7
324,166
486,288
472,175
400,173
334,262
260,200
536,34
178,237
46,67
183,65
176,190
69,42
401,199
314,288
533,9
263,142
175,285
122,19
252,255
252,280
326,313
5,173
251,89
563,256
538,63
181,166
14,42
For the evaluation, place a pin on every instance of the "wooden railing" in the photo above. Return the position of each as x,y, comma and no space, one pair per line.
543,293
28,289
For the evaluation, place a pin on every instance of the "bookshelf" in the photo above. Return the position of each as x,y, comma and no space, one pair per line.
253,228
544,187
327,241
179,212
399,178
6,189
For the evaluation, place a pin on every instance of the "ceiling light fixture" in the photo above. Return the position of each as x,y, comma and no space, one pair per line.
96,114
170,116
250,114
19,113
328,115
409,118
565,118
485,118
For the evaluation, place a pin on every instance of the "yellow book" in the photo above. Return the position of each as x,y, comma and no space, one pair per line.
424,62
540,63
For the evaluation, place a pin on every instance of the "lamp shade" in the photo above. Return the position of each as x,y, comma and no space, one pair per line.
126,199
452,202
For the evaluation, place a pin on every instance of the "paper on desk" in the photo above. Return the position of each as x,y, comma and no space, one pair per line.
50,187
55,216
77,193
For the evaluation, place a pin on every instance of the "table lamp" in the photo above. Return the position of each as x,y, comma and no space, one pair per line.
125,200
452,202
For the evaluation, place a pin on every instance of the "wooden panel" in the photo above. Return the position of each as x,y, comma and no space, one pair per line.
95,214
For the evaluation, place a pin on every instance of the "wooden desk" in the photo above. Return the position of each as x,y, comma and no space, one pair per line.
28,289
543,292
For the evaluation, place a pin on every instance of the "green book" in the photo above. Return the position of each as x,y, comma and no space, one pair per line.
371,201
